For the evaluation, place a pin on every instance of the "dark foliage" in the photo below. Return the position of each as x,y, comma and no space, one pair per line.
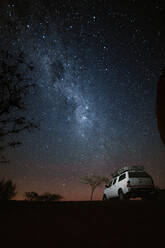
50,197
15,84
7,190
33,196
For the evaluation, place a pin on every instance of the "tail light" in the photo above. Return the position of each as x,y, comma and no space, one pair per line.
128,183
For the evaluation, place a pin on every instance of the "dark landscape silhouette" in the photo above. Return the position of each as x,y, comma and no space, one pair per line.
41,220
83,224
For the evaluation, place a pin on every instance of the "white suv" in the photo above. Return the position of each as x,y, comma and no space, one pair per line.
130,182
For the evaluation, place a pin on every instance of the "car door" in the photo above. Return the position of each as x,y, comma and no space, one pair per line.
115,194
113,187
108,190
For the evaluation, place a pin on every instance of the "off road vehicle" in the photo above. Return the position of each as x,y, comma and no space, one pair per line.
130,182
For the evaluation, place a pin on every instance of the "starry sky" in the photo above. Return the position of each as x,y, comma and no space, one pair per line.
96,67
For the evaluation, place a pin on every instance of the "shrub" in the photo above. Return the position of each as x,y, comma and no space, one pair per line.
7,190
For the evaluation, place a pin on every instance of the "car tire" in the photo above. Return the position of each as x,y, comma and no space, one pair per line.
121,195
104,198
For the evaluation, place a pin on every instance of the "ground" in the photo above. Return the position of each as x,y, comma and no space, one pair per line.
83,224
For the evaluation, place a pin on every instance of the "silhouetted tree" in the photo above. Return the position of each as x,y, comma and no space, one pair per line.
94,181
50,197
15,84
33,196
7,190
160,105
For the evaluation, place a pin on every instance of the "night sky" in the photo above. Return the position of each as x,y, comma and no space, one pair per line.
96,67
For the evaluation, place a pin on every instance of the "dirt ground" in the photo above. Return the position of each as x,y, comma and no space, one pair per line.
83,224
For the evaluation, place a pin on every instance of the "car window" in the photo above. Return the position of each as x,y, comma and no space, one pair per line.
114,181
122,177
138,174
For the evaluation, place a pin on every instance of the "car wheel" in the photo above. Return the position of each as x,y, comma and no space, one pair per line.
121,195
104,198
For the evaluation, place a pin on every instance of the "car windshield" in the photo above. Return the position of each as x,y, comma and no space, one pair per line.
138,174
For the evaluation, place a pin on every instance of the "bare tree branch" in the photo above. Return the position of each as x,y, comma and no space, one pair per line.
15,83
93,181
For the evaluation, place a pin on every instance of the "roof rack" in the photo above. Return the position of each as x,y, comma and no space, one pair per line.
127,168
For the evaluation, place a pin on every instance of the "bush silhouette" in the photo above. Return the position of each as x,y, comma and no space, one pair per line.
33,196
49,197
7,190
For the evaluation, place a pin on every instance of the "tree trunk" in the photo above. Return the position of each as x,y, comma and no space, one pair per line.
92,194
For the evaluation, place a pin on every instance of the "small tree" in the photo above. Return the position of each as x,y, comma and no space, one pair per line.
94,181
31,196
7,190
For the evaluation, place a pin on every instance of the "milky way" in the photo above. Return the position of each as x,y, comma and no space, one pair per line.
96,66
